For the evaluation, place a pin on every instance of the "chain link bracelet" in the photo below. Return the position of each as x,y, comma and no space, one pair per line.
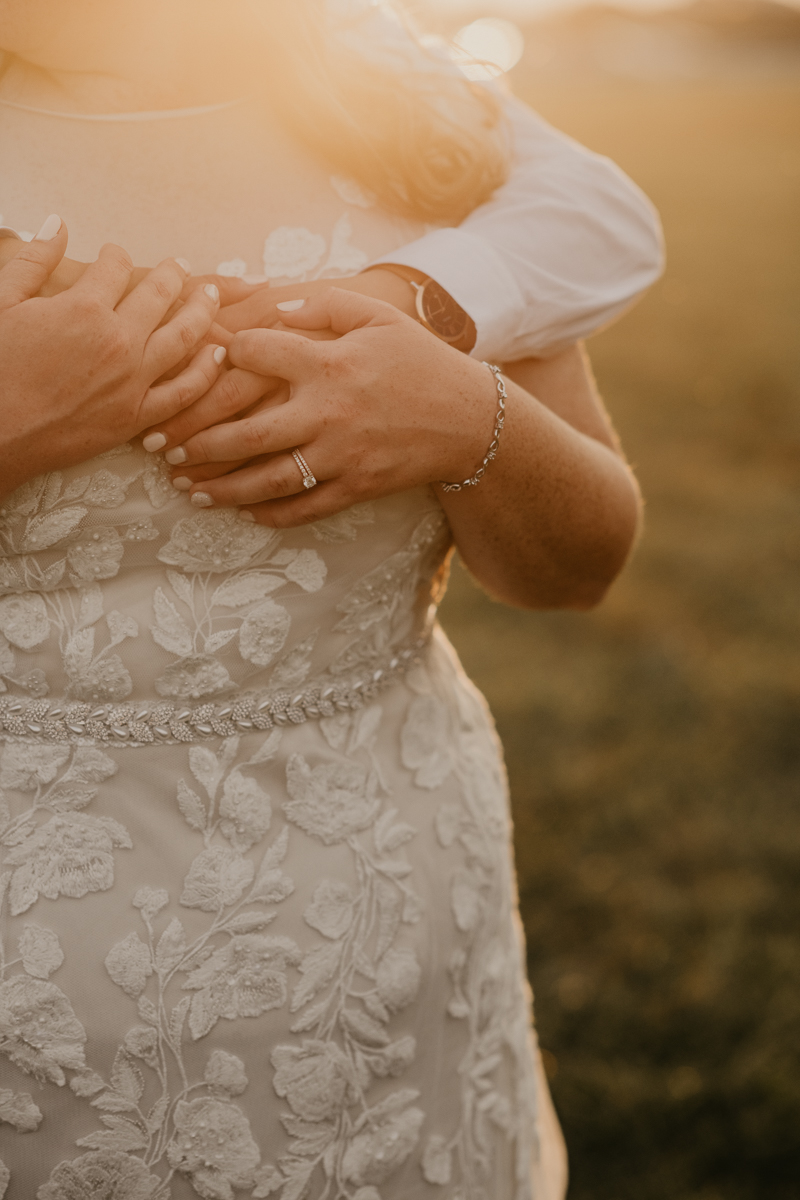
502,396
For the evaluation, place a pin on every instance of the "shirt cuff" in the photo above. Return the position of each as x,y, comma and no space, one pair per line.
475,276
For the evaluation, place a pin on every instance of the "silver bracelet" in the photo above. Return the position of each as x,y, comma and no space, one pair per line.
502,396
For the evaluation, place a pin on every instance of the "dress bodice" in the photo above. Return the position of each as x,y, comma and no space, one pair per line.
126,614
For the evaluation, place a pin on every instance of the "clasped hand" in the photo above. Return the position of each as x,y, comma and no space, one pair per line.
383,408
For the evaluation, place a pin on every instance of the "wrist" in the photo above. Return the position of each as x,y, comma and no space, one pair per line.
386,286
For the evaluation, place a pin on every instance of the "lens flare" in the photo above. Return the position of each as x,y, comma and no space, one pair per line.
488,47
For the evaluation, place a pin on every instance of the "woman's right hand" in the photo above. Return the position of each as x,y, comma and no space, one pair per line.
80,371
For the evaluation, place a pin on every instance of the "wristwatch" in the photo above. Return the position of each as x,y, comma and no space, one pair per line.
436,309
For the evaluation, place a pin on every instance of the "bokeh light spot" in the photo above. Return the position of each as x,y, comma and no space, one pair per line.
488,47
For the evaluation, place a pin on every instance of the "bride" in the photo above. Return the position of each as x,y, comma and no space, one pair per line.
259,929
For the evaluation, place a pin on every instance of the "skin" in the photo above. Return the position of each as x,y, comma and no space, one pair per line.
81,370
388,407
383,408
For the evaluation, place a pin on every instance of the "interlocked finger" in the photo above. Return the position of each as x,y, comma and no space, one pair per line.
182,333
232,395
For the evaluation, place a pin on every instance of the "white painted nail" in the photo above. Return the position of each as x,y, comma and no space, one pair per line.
212,291
176,457
182,483
201,500
290,305
220,354
153,442
184,265
49,229
245,515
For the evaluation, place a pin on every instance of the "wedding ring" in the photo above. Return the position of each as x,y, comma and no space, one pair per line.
308,476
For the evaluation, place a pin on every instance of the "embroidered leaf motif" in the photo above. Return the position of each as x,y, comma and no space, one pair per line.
40,951
177,1018
247,588
147,1010
331,909
171,630
317,968
363,1027
267,750
182,587
437,1165
45,531
217,640
291,252
388,836
249,922
126,1078
91,606
171,947
216,878
424,742
191,806
123,1135
331,801
19,1110
309,1018
366,727
293,668
128,963
344,257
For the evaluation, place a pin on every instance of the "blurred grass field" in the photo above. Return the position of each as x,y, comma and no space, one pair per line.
654,745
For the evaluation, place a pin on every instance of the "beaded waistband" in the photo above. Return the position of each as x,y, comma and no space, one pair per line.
158,722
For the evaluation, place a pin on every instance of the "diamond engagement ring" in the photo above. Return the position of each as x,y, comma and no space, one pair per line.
308,476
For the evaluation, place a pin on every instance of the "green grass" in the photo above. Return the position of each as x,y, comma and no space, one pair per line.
654,745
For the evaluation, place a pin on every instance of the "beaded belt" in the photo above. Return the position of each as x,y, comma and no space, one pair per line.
157,722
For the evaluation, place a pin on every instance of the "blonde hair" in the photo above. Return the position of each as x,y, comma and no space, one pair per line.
430,144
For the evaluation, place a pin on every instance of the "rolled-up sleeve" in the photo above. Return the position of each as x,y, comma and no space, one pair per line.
564,246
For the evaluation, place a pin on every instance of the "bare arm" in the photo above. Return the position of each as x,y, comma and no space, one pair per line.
388,407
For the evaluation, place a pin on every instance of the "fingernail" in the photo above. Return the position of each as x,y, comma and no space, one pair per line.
153,442
49,229
212,291
182,483
290,305
184,265
176,457
245,515
220,354
201,500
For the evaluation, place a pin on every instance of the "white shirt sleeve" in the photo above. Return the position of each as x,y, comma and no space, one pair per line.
565,245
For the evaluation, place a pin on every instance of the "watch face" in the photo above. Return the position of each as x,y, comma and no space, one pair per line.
439,311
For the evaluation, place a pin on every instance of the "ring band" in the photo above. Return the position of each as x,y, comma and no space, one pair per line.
308,476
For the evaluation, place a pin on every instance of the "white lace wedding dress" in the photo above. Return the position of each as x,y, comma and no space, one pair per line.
259,925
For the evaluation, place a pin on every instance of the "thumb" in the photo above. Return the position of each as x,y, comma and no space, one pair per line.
33,264
336,309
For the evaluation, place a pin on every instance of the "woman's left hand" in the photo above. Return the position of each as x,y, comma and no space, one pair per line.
383,409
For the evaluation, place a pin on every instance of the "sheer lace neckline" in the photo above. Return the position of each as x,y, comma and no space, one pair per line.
162,115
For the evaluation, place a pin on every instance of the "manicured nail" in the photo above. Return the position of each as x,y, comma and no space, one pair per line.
290,305
220,354
49,229
212,291
184,265
245,515
201,500
153,442
176,457
182,483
